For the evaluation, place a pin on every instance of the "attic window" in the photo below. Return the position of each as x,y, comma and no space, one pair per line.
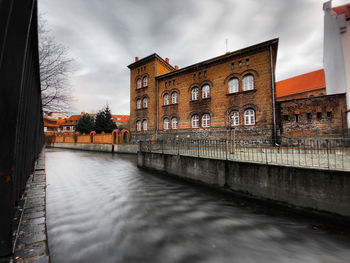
205,73
194,76
233,65
309,116
240,63
199,75
247,62
319,116
329,115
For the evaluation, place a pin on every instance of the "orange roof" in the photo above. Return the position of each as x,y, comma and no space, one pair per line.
343,9
121,117
306,82
73,118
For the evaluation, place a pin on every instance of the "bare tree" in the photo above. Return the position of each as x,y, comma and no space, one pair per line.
55,67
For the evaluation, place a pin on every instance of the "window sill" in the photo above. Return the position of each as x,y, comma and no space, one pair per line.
241,92
167,105
142,88
141,109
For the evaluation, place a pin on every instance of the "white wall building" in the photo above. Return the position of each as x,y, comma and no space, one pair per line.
336,51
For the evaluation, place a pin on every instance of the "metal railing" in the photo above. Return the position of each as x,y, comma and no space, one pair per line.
314,153
21,124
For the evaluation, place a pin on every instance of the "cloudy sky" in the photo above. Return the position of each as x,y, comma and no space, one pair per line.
104,36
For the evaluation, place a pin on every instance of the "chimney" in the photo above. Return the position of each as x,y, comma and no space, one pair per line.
176,67
167,60
136,59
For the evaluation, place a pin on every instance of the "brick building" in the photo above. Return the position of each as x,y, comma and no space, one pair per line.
233,90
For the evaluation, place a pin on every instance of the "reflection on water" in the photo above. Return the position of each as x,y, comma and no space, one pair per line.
102,208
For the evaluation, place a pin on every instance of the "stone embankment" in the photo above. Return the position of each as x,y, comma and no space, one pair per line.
111,148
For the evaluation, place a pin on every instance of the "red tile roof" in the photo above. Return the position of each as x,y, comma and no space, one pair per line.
306,82
343,9
122,117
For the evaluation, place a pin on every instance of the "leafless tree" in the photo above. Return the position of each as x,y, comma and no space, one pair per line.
55,68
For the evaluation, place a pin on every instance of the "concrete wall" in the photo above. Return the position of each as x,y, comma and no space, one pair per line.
122,148
322,190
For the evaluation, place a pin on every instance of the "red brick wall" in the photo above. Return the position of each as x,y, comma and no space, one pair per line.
220,102
326,126
307,94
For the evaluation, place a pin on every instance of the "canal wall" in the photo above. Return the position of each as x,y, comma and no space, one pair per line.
317,189
116,148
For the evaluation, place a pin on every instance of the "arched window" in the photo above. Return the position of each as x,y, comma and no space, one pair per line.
174,123
145,102
205,91
206,120
166,99
138,104
249,117
144,125
145,81
174,97
195,121
234,118
138,125
139,83
233,85
166,124
248,82
195,93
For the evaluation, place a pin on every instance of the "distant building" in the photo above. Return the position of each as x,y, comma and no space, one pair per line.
56,115
336,53
303,86
122,121
305,109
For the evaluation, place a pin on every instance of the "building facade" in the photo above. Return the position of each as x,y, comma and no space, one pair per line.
235,90
336,52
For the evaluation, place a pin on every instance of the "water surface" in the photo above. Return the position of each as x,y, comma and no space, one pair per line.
102,208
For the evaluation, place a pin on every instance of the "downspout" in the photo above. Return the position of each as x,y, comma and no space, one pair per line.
157,118
273,95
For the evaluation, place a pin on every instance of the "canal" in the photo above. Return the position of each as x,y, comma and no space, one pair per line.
102,208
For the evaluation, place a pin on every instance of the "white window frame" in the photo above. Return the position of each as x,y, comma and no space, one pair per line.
233,85
206,120
144,125
174,97
249,117
195,121
195,93
145,81
206,91
138,126
234,118
248,82
166,99
174,123
166,123
145,102
138,85
138,104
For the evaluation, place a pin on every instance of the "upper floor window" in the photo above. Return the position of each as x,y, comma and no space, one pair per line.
166,99
174,123
139,83
166,124
145,102
144,125
234,116
174,97
206,120
195,92
195,121
248,82
138,104
249,117
138,125
145,81
205,91
233,85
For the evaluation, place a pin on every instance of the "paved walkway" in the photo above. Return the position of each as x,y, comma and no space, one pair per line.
31,243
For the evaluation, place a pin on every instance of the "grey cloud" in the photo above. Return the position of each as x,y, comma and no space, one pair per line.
105,36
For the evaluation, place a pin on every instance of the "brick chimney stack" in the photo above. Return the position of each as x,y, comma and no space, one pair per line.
176,67
136,59
167,60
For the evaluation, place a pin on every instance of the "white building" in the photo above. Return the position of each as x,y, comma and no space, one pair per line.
336,52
